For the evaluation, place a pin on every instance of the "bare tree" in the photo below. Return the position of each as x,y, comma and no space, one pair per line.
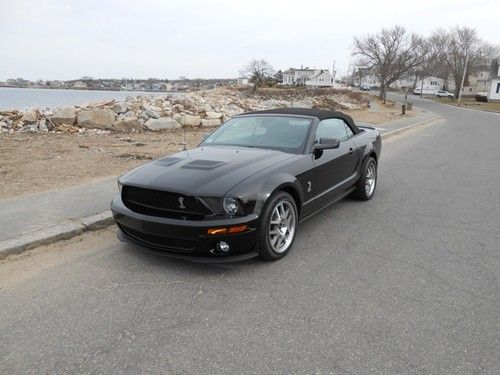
459,49
390,54
257,71
436,64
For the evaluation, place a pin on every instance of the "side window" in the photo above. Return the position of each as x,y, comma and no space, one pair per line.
348,130
333,128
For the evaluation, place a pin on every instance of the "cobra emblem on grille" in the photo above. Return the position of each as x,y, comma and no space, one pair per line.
181,203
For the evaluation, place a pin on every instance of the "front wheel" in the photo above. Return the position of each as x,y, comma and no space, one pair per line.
278,226
365,187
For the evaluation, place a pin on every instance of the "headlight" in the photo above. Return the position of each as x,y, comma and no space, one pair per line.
230,205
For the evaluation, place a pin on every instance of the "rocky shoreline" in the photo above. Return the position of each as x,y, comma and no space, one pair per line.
155,113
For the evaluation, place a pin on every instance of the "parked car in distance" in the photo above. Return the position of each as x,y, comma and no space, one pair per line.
444,94
243,191
365,87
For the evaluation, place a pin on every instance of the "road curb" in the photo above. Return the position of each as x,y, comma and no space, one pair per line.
409,127
55,233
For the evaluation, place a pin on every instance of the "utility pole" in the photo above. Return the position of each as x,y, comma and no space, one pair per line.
422,86
463,77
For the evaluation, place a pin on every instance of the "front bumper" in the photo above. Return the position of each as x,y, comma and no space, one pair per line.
186,239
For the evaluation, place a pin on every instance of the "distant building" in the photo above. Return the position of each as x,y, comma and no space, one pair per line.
478,83
56,84
494,89
322,78
430,85
294,76
243,81
80,85
405,82
158,86
365,80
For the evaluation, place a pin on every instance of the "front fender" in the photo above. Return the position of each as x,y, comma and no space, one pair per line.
255,192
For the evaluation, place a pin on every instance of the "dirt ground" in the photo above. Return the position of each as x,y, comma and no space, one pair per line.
32,163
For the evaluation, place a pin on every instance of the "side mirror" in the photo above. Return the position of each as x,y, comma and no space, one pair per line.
325,144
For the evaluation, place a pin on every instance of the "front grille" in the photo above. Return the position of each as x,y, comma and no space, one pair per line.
159,242
163,203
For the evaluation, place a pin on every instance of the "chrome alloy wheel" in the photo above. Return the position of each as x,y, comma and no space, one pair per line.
371,179
282,226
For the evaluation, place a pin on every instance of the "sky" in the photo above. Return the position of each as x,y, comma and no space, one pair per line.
68,39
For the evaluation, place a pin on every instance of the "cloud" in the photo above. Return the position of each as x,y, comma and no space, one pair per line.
57,39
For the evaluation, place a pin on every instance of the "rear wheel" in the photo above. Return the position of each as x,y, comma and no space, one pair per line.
278,226
365,187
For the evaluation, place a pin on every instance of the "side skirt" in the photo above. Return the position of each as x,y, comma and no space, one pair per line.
340,197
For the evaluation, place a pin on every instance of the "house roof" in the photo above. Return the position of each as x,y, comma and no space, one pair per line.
320,73
293,70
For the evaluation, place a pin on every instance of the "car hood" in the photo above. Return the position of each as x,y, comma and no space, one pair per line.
204,171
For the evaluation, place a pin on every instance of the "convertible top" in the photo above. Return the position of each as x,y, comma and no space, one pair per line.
321,114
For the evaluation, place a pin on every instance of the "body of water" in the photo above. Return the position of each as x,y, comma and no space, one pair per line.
17,98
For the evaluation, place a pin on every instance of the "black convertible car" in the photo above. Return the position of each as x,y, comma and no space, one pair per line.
243,191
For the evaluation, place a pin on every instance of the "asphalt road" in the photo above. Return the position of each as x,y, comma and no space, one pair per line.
405,283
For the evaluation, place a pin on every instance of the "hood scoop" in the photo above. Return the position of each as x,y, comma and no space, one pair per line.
169,160
203,164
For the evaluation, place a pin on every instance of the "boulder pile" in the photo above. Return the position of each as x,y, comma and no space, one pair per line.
155,113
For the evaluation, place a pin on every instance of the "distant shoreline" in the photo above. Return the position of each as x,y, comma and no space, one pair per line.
88,89
21,98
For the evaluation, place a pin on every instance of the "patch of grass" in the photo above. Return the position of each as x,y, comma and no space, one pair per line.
471,103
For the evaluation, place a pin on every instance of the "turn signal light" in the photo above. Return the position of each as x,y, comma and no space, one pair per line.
238,229
217,231
230,230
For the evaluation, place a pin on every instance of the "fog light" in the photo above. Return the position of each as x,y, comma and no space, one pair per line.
223,247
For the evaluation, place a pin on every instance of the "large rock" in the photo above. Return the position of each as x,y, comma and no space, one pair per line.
153,113
30,117
65,115
161,124
210,122
96,118
127,124
213,115
189,120
42,126
119,108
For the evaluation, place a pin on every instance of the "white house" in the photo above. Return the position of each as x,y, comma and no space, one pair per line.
430,85
322,78
367,80
294,76
80,85
243,81
405,82
494,93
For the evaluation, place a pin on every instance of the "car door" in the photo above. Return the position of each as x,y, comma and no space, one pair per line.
335,169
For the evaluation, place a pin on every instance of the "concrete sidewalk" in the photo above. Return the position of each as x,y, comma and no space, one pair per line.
404,122
30,220
33,212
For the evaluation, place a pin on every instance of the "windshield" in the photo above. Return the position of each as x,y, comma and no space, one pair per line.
282,133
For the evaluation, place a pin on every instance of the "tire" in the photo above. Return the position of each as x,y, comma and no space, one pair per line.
276,235
365,189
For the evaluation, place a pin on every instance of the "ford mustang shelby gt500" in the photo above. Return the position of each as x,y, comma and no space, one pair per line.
243,191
